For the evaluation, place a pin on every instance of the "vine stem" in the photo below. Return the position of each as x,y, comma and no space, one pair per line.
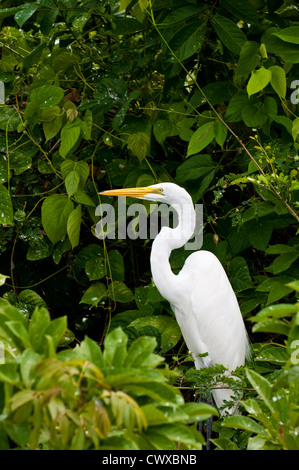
230,130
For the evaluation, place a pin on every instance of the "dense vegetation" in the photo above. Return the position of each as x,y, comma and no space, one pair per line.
108,94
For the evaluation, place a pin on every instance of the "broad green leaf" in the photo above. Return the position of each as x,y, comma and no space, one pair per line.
38,324
23,15
276,311
178,15
194,168
259,80
249,59
52,127
229,33
284,261
80,167
115,348
94,294
9,118
262,386
138,143
244,10
70,135
34,56
220,131
55,213
236,106
116,264
201,138
239,274
279,248
47,96
6,209
95,268
253,117
167,326
290,34
119,292
278,80
73,226
86,125
20,331
92,352
72,182
244,422
276,287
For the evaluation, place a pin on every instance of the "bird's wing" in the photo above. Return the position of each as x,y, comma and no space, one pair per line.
210,319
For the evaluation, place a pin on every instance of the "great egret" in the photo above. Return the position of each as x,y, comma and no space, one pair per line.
200,295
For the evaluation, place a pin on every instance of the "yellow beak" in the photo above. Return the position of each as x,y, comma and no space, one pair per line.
131,192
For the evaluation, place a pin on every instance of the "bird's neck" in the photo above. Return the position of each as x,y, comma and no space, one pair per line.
167,240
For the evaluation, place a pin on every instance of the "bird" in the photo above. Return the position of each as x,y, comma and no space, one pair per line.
200,294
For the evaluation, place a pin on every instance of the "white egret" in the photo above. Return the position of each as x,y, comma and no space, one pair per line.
200,295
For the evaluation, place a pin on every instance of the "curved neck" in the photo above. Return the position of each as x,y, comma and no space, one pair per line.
167,240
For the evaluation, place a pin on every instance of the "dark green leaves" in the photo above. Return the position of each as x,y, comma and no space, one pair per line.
6,208
47,96
229,33
55,213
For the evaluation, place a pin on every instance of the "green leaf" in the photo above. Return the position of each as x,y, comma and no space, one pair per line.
259,80
47,96
115,348
220,133
245,423
236,106
140,352
72,182
239,274
20,331
34,56
117,267
86,125
6,209
178,15
73,226
95,268
201,138
194,168
38,324
9,118
167,326
276,287
70,135
290,34
249,59
244,10
262,386
229,33
52,127
119,292
278,80
55,213
284,261
94,294
80,167
138,143
23,15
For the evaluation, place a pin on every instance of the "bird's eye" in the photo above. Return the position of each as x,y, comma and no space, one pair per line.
160,190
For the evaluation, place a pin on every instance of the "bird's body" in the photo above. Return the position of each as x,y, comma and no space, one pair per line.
200,295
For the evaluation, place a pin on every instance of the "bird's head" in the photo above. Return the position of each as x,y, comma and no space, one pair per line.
168,193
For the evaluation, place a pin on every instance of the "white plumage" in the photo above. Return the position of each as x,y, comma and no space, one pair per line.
201,296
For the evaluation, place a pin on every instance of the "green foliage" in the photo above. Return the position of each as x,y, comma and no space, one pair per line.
130,93
86,398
